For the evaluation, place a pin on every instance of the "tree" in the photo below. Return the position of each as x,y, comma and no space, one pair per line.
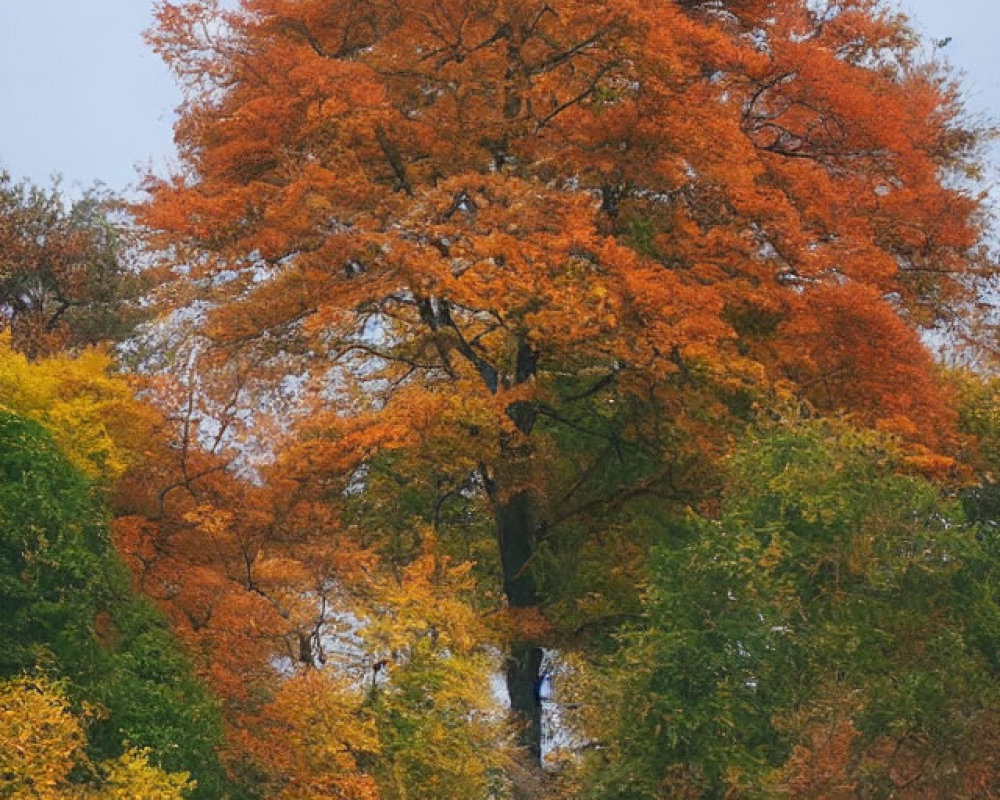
979,420
69,608
64,280
89,411
832,634
296,625
42,744
505,218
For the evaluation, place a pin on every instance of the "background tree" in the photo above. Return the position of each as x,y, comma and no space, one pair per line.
296,622
69,608
64,278
42,755
833,633
90,412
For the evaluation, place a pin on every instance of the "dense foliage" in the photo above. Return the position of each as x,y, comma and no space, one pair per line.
44,744
538,408
832,632
64,280
69,610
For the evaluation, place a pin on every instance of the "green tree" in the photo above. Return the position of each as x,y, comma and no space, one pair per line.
42,753
834,632
69,609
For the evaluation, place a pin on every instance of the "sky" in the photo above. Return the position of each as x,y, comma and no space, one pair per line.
82,96
974,27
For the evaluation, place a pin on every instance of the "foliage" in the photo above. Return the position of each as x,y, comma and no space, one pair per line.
471,196
453,211
64,282
89,411
42,755
473,299
532,266
413,724
69,608
979,420
833,633
283,605
442,734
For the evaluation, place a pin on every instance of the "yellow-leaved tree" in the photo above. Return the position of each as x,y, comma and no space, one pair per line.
42,753
90,411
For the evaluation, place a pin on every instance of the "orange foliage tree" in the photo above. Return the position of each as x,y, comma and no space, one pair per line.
294,624
225,562
482,225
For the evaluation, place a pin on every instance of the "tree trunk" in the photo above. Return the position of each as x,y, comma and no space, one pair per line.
524,664
516,540
516,530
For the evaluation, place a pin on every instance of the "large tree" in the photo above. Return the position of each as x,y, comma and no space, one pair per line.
510,223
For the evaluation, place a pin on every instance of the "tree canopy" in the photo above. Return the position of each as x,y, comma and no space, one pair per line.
830,634
563,358
64,276
487,231
69,609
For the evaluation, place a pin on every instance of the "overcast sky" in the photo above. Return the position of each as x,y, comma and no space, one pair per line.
81,95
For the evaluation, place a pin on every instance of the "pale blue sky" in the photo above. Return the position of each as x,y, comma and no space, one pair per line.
974,51
80,92
82,95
